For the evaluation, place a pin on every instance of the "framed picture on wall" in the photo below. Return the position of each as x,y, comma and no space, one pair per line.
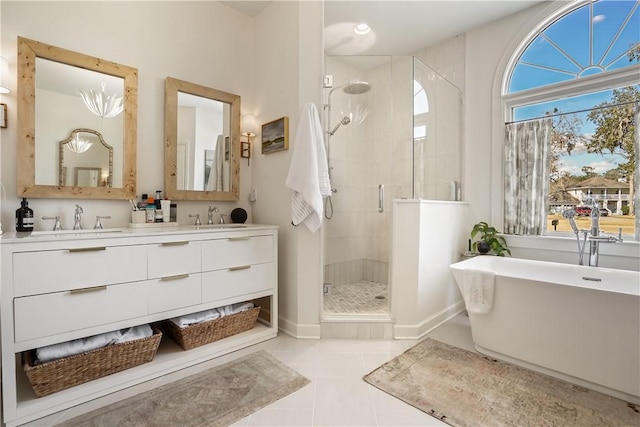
275,135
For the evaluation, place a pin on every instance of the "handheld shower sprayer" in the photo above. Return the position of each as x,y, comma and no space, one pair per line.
343,121
570,214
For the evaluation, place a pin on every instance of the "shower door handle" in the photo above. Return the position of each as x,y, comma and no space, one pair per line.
381,198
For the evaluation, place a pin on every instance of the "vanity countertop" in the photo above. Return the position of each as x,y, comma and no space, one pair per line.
124,232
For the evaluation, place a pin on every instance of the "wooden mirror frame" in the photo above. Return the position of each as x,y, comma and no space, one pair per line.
28,51
172,87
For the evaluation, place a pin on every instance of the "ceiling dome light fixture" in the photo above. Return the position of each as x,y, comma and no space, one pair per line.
361,29
78,145
108,107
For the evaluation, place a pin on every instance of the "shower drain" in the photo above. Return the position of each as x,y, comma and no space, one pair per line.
380,297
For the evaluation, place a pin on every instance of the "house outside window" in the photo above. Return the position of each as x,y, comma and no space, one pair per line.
580,68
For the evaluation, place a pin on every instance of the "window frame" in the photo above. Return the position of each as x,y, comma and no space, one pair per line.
606,80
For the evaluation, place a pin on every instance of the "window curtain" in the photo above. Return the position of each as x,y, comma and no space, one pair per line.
526,176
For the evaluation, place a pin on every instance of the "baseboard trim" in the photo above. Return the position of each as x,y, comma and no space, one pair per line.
420,330
299,331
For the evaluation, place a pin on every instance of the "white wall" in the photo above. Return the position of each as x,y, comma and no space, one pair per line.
210,44
288,54
428,236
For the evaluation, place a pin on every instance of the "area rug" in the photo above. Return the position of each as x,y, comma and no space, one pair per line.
464,388
216,397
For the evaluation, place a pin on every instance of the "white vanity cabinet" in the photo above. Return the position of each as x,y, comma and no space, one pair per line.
57,288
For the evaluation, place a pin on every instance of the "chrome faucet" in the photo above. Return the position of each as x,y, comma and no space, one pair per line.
98,224
56,224
222,221
197,217
210,213
77,225
593,235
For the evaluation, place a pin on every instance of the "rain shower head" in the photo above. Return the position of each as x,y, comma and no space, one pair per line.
343,121
353,87
356,87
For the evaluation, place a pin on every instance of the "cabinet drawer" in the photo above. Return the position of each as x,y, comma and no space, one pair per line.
49,314
60,270
173,292
173,258
236,281
236,251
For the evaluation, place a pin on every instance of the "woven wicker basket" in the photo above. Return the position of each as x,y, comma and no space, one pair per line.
60,374
212,330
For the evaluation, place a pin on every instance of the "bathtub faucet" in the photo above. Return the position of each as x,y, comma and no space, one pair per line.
595,238
593,234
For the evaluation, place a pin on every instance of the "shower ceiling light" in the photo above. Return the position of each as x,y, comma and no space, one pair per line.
96,102
361,29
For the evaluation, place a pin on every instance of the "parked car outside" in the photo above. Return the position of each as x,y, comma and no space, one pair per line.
583,210
605,212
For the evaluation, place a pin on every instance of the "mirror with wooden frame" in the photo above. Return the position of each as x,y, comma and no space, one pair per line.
85,152
51,85
202,142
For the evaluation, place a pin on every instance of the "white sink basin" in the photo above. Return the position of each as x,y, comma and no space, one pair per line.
74,232
218,226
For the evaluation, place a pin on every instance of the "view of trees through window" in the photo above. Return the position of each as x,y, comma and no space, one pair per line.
594,139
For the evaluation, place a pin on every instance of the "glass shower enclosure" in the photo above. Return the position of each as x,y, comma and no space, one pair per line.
393,130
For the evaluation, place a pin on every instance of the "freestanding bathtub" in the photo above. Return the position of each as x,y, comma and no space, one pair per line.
577,323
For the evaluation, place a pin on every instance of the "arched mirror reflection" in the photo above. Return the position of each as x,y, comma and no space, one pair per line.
87,157
63,92
202,132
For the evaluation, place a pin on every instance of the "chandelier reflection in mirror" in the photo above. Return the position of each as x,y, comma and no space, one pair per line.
96,102
78,145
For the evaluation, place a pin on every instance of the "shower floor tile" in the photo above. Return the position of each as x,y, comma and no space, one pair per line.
361,297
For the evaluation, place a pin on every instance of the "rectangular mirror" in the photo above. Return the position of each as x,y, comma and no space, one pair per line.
62,91
202,142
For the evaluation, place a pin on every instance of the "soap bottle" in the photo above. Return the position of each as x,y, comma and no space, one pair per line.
24,217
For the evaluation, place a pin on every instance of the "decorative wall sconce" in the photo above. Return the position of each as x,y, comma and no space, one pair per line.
248,130
4,76
4,88
3,115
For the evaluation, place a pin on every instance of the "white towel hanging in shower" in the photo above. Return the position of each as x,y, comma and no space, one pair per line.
308,175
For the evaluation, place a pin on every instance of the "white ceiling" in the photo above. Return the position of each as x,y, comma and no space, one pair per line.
398,27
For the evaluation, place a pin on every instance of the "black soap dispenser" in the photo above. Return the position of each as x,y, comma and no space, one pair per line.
24,217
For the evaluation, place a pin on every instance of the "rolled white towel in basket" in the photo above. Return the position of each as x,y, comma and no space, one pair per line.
94,342
193,318
214,313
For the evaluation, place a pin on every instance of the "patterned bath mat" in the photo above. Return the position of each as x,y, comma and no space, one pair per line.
216,397
464,388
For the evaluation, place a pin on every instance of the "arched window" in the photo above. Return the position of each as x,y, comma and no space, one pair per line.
579,72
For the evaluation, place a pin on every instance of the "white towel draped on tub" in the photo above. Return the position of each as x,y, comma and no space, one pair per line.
478,290
308,172
81,345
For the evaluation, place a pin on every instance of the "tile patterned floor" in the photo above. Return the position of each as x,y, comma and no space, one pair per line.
337,395
361,297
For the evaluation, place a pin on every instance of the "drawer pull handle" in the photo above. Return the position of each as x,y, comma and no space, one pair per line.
235,239
85,290
99,248
242,267
174,243
176,277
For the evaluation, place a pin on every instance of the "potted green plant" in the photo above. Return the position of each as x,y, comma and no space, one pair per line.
489,240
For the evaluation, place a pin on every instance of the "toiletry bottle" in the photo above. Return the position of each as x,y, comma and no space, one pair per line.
158,198
24,217
142,204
